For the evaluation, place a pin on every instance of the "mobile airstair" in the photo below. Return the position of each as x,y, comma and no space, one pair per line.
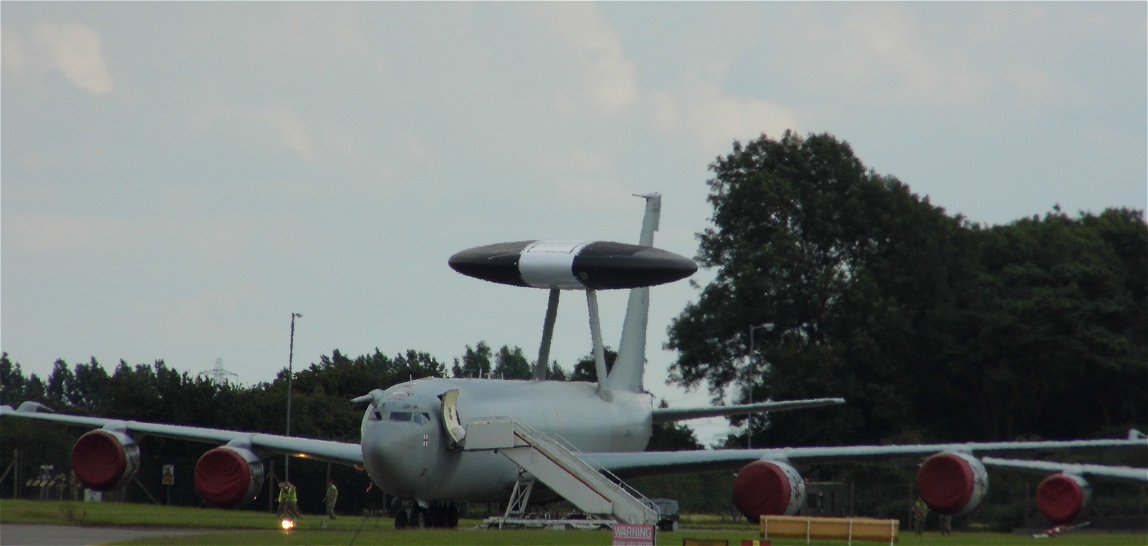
556,464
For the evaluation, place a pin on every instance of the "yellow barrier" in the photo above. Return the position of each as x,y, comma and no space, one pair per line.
850,529
704,542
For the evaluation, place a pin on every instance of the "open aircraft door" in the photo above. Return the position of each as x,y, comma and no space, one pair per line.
450,419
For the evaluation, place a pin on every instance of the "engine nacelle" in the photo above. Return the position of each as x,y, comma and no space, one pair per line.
952,484
228,477
1063,497
770,488
105,459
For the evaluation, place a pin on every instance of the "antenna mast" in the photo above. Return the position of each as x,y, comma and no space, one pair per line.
218,374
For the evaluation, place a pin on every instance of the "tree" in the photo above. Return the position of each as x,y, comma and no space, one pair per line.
556,373
12,382
841,261
1052,330
475,362
930,327
59,383
586,370
512,364
91,385
672,436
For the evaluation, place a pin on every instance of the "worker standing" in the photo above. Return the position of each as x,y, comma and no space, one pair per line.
920,512
293,502
288,500
330,498
282,499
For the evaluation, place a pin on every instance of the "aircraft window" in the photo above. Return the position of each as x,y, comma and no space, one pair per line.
400,416
418,418
376,416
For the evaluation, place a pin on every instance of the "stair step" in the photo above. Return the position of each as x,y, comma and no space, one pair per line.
559,467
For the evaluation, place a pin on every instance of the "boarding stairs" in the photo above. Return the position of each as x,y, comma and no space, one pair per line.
556,464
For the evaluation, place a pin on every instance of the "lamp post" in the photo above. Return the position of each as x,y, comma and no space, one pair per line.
752,369
290,376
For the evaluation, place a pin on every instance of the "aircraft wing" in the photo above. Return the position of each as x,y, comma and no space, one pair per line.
630,465
269,444
1096,471
667,415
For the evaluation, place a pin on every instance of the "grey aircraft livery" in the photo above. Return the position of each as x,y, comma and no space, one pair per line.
433,442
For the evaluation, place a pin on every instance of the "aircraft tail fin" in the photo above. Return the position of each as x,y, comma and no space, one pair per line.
631,362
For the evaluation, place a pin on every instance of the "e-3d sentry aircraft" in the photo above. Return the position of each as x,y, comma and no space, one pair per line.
437,441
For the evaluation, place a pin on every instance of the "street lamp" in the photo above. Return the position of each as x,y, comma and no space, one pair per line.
290,376
752,369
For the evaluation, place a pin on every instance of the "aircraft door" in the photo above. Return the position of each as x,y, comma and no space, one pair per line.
450,419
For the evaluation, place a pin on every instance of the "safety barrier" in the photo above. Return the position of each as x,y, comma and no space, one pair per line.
848,529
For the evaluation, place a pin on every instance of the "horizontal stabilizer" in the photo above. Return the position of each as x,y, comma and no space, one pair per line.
669,415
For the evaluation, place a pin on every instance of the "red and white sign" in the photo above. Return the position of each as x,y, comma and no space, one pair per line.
626,534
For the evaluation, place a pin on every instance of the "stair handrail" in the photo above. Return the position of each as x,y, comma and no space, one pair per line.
592,465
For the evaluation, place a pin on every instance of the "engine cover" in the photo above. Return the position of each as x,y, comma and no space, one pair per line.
952,484
228,477
1062,497
770,488
105,459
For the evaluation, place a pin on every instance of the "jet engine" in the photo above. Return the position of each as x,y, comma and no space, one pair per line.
952,483
105,459
228,477
1062,497
771,488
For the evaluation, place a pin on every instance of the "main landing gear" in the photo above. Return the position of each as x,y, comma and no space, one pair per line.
434,515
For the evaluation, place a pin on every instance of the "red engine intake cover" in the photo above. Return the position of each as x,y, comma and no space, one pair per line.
952,483
104,460
227,477
1061,497
769,488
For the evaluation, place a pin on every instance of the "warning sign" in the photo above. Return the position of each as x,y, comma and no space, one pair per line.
626,534
168,474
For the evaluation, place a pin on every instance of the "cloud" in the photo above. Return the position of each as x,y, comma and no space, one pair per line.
599,58
715,119
712,118
291,129
31,234
927,70
885,50
12,55
75,50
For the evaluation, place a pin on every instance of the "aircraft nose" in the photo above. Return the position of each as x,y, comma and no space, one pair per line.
391,454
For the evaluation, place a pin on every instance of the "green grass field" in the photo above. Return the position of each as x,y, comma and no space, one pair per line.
244,527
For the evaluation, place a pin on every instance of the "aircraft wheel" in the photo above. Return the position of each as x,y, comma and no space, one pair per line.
452,516
401,519
418,519
434,515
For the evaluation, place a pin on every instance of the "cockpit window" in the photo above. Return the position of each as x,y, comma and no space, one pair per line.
404,416
400,416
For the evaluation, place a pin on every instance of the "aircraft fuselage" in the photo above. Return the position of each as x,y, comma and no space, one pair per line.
407,451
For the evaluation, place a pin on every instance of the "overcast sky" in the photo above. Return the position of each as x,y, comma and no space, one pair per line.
179,178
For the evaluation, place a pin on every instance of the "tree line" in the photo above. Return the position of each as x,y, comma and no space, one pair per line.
931,326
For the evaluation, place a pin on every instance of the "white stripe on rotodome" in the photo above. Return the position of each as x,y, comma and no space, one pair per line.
549,264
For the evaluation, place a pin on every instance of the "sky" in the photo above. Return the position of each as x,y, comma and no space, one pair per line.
178,178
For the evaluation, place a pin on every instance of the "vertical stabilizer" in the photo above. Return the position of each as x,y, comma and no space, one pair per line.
627,372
